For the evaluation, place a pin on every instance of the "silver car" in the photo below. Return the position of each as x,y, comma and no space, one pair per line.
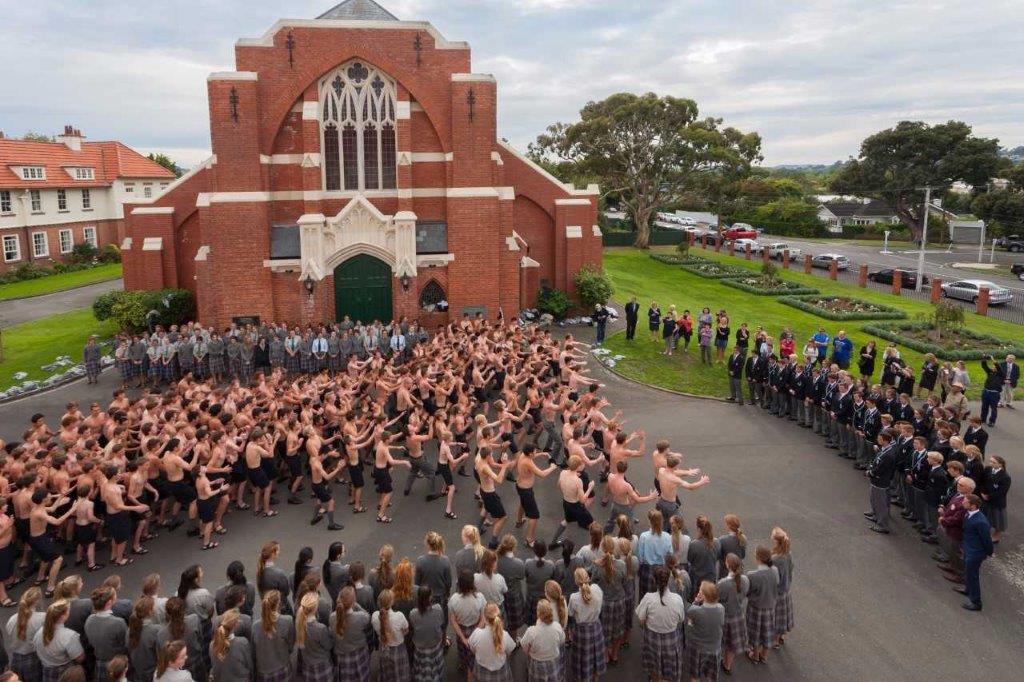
967,290
824,260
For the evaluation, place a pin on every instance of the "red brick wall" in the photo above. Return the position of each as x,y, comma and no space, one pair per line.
535,225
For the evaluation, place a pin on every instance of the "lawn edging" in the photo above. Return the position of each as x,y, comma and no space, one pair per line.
791,288
884,312
890,332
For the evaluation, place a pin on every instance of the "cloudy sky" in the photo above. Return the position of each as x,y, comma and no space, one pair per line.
813,77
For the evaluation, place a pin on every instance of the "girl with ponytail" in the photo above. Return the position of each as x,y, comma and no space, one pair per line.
187,628
142,632
351,648
587,661
732,595
632,564
542,643
705,619
610,573
231,654
391,628
537,571
383,577
783,563
428,625
733,542
335,574
314,640
703,553
491,647
662,613
272,640
19,631
465,613
761,599
270,577
170,666
58,647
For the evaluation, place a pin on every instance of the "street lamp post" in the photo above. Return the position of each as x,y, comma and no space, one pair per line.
885,244
924,238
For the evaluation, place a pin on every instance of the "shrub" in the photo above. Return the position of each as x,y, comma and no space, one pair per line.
83,252
592,286
102,307
554,302
174,305
130,309
673,259
981,344
30,271
850,308
110,254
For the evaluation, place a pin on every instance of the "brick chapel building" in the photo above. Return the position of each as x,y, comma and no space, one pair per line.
356,170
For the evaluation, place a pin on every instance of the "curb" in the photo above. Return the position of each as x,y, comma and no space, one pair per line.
59,291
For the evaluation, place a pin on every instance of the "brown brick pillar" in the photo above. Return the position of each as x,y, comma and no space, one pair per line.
936,289
785,259
704,241
765,256
983,301
718,243
897,282
748,250
862,277
807,264
732,248
691,237
833,270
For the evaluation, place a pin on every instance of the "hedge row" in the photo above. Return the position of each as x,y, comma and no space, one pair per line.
721,271
787,288
804,303
988,344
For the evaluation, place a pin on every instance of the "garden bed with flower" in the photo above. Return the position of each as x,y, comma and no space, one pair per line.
678,259
713,270
761,286
843,308
952,344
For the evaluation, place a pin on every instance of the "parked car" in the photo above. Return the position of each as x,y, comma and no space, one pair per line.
741,245
740,231
908,278
824,260
1013,243
1018,269
778,250
967,290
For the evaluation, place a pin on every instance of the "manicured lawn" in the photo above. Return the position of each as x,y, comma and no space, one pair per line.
52,283
28,346
634,272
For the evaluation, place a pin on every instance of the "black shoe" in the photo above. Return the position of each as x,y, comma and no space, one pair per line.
971,606
335,526
879,529
869,515
554,545
316,519
294,499
960,590
731,399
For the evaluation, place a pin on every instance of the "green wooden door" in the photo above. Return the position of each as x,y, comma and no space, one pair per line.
362,289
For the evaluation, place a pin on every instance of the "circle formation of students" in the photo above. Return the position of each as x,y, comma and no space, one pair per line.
213,436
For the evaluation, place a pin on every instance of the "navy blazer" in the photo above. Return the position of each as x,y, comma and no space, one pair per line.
1014,373
977,542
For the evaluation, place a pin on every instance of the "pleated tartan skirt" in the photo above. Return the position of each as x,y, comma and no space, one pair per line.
784,614
586,655
353,666
760,626
662,656
428,664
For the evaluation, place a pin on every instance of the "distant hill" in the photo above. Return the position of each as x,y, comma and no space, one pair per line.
1016,154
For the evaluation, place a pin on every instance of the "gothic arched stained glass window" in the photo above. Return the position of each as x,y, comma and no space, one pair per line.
358,100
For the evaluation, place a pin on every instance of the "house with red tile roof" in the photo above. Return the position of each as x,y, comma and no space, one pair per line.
54,195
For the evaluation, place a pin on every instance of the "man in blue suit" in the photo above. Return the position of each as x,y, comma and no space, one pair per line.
977,545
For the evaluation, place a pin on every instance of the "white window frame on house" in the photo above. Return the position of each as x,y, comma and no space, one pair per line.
84,174
147,190
33,172
67,241
129,187
86,200
62,200
12,239
164,185
35,199
6,206
38,252
89,236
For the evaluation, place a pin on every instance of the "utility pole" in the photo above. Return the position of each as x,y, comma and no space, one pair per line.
924,238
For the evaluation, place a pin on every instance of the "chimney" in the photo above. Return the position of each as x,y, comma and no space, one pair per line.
72,137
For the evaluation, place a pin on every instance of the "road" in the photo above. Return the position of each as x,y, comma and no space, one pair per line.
867,606
17,311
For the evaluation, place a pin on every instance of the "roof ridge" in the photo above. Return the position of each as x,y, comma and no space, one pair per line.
358,10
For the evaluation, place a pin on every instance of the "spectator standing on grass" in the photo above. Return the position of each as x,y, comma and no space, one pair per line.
721,335
684,328
810,351
601,316
995,378
956,401
632,312
91,355
866,363
654,320
821,340
787,343
842,350
668,330
993,493
1011,372
704,339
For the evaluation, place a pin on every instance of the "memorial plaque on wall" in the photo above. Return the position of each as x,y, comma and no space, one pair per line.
242,320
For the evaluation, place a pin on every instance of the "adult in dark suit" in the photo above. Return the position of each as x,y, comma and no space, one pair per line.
880,472
991,393
994,487
1011,372
752,369
977,546
938,482
632,313
736,376
976,434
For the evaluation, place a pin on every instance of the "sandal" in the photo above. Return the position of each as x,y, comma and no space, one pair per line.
151,536
140,550
450,515
124,562
211,545
358,510
220,530
95,567
8,603
383,519
243,507
270,513
48,592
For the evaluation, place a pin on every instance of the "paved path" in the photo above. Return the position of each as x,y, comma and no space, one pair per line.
867,607
16,311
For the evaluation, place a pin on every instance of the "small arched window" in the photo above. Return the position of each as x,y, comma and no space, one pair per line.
432,298
359,101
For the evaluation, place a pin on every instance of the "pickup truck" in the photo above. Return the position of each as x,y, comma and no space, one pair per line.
1013,243
778,250
740,231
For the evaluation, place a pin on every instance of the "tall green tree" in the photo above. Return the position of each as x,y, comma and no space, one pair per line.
32,136
167,163
649,150
895,163
1003,210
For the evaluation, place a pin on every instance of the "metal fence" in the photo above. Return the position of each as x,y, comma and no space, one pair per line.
1009,312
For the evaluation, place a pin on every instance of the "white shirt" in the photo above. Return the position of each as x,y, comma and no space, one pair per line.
482,644
581,610
397,623
658,617
544,641
467,608
493,588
